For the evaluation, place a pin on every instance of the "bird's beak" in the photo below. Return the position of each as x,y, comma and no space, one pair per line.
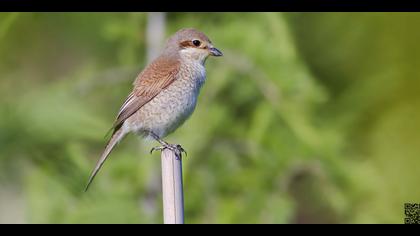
215,52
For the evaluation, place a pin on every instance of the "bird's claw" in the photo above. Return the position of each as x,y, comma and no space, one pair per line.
156,149
176,148
180,150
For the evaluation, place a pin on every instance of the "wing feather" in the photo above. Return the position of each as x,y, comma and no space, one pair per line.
149,83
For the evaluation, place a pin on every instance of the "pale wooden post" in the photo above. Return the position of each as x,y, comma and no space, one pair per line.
172,188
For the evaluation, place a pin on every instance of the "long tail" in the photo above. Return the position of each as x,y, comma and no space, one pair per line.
116,137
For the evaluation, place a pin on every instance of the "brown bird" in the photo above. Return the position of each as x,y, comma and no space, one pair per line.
164,94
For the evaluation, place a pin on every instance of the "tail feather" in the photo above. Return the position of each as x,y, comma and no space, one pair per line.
116,137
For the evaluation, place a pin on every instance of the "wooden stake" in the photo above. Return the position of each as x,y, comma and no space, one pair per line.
172,188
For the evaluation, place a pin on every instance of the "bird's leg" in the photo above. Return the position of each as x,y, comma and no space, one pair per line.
173,147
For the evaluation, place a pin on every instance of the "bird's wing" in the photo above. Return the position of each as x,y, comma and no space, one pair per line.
150,82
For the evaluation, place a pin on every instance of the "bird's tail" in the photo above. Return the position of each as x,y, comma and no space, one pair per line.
116,137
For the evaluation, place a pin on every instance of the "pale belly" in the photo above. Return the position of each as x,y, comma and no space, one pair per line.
167,111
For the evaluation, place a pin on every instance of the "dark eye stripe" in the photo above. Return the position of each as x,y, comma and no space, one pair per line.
190,43
187,43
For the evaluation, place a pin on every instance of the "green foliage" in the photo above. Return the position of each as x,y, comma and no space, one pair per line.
307,118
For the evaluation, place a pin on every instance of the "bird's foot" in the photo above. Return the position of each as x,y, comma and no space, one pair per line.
176,148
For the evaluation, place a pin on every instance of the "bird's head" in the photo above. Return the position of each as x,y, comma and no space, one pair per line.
192,44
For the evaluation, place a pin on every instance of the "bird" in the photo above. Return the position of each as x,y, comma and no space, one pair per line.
164,94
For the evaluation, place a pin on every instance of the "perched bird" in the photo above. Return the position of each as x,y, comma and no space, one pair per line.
164,94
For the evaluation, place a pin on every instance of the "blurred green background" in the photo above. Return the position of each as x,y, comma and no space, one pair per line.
308,118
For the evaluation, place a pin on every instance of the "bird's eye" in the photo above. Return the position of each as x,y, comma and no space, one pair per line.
196,42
